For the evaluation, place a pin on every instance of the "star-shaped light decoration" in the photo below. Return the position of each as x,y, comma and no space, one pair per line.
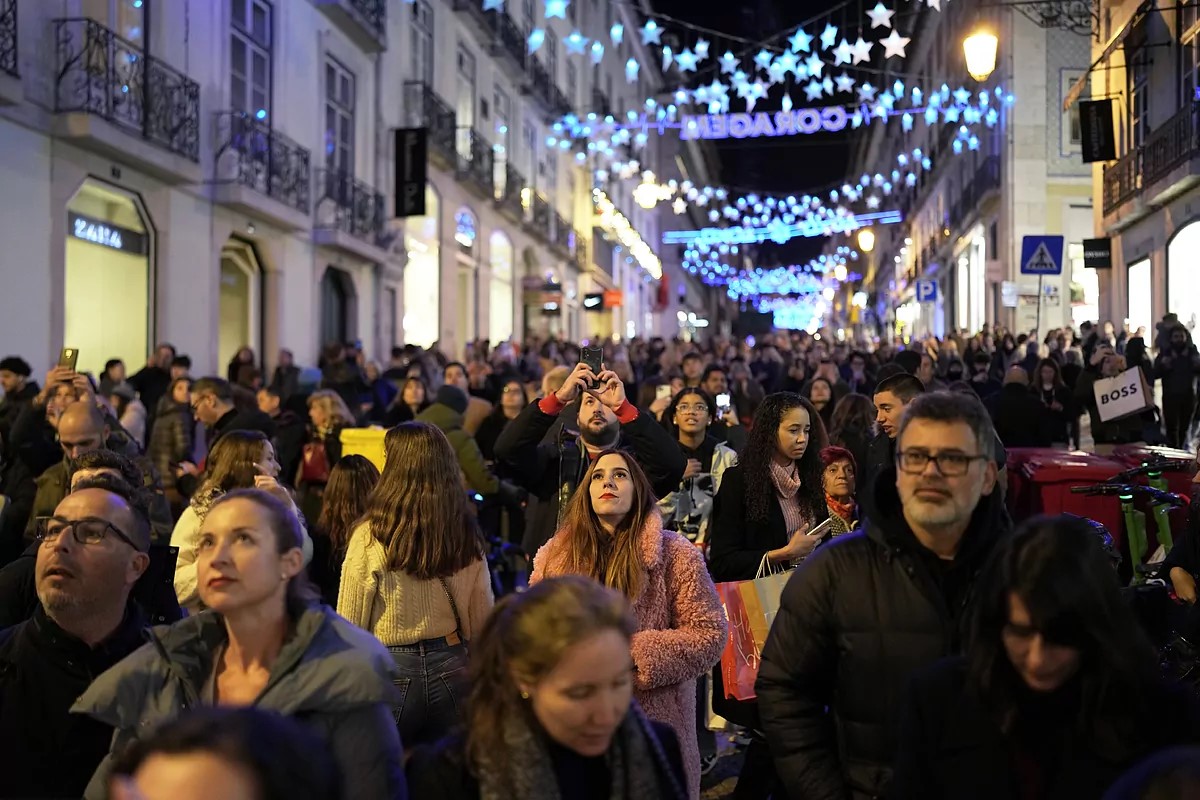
827,85
844,83
701,96
956,146
617,33
701,49
866,92
962,96
862,50
758,90
597,51
776,72
931,115
668,57
842,53
829,37
906,122
714,215
681,96
537,37
493,5
679,206
557,8
729,63
575,43
651,33
951,115
894,44
813,90
763,60
936,5
814,65
881,16
910,180
800,41
686,61
787,61
631,70
873,202
786,103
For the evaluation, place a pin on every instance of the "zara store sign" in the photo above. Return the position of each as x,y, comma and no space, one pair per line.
106,234
763,124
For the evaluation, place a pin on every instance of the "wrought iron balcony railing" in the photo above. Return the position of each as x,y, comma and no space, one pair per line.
509,194
475,159
8,37
430,111
255,155
600,104
349,205
1169,145
509,39
1122,180
373,13
103,74
564,234
540,216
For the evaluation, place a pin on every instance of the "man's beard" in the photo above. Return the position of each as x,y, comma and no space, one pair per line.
600,438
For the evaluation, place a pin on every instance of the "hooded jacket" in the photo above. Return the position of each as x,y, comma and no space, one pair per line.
858,618
329,675
681,629
470,459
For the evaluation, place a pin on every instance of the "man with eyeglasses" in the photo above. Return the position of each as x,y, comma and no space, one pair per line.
866,611
213,407
92,551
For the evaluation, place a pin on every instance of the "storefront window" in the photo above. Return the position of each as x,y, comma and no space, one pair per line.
107,288
1182,297
1141,293
500,326
1085,288
423,274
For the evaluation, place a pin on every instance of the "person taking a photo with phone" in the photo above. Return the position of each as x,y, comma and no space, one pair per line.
688,419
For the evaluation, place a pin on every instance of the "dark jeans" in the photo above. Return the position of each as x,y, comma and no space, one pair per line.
1177,411
433,684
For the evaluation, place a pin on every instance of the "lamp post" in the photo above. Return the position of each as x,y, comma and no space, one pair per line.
866,240
980,51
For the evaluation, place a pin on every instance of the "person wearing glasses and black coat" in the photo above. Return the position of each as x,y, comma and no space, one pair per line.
868,609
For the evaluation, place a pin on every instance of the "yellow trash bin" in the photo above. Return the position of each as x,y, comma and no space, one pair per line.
366,442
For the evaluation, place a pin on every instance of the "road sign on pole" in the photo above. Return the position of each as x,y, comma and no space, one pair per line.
927,291
1041,255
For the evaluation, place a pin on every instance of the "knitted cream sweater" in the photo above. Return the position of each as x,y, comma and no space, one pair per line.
400,609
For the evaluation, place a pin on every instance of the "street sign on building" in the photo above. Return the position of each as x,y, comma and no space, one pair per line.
411,145
1041,255
927,291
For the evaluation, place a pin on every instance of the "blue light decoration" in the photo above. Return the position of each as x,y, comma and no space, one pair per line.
557,8
493,5
537,37
651,33
575,43
617,33
631,70
597,51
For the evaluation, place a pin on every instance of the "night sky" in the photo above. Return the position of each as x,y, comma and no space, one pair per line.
789,165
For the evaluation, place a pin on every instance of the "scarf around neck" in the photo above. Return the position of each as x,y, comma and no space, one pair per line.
636,759
844,510
786,479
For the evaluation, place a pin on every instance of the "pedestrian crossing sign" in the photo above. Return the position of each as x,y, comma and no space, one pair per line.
1041,255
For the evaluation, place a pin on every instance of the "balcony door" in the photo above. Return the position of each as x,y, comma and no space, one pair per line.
337,306
465,100
250,58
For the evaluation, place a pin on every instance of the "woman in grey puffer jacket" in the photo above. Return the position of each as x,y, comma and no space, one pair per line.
264,643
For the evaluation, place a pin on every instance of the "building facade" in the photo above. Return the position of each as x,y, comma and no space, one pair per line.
220,173
1147,61
965,218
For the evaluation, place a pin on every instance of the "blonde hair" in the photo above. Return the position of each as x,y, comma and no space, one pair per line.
333,405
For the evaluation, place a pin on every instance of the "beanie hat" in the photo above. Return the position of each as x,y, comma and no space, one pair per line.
453,397
16,365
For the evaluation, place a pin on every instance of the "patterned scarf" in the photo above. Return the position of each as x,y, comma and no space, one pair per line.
787,484
636,761
846,512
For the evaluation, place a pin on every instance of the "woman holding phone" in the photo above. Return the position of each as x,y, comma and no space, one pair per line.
688,419
239,460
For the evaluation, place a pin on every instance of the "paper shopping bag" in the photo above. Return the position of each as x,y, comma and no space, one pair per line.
1122,395
739,660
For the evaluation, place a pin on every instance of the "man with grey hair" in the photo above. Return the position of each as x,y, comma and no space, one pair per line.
866,611
92,552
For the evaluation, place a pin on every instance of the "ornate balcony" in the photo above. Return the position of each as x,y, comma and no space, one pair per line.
543,91
510,46
1171,144
564,234
364,21
427,110
1167,164
10,78
252,155
103,76
349,215
484,22
539,221
509,197
582,257
475,161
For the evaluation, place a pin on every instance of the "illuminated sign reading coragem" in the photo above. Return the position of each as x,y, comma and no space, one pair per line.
753,126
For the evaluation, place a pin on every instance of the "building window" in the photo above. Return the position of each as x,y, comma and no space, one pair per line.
337,306
339,117
531,149
1139,97
572,80
1072,131
552,55
422,42
250,58
465,107
502,136
530,14
1189,52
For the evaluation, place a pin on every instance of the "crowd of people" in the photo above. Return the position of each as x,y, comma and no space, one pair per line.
201,595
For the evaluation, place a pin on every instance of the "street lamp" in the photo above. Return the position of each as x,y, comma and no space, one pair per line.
980,50
866,240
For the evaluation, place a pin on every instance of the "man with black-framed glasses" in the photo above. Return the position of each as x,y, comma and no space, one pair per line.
865,612
91,552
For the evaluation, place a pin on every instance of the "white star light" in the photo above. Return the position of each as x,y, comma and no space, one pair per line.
686,61
617,33
813,90
800,41
776,72
827,85
651,33
881,16
701,49
787,61
493,5
814,65
575,42
828,37
758,90
557,8
763,60
537,38
631,70
842,54
679,206
668,56
936,5
866,92
729,63
844,83
597,52
873,201
862,50
894,44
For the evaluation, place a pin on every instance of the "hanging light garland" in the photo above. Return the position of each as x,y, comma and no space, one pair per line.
614,223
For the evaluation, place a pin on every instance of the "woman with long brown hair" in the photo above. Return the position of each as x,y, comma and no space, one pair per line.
238,460
612,532
552,711
351,482
415,575
329,415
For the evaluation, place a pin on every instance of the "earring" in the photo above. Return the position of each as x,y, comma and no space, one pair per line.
283,576
524,695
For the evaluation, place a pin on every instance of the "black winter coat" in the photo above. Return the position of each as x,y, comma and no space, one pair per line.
858,618
537,462
951,746
1020,418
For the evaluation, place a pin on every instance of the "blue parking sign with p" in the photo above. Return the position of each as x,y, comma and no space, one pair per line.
927,291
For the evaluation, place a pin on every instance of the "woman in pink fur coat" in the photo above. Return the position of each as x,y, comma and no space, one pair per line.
612,532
